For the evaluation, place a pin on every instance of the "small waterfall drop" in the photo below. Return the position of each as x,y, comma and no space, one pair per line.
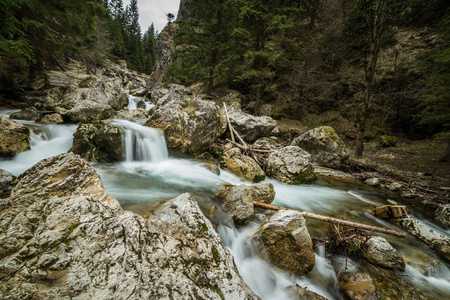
133,102
141,143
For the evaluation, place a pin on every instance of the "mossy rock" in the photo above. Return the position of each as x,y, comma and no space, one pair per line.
387,141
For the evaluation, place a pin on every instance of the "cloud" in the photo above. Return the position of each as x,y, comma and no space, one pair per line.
154,11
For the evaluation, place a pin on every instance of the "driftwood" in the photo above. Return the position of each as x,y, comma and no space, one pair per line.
332,220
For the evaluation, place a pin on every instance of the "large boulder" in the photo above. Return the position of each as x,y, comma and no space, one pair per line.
325,146
358,286
298,293
51,119
14,137
242,165
97,141
377,250
62,236
249,127
435,240
237,201
285,241
291,165
89,109
6,183
190,124
29,114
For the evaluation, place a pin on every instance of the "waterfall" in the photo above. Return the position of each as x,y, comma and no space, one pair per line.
133,102
141,143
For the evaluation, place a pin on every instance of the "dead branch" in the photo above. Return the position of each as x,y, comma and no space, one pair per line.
228,121
332,220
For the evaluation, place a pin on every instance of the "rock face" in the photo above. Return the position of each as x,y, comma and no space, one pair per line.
14,137
90,109
62,236
380,252
97,141
443,215
291,165
285,240
436,241
358,286
164,49
242,165
249,127
6,183
325,146
238,200
190,124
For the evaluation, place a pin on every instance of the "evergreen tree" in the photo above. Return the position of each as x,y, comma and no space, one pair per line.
149,47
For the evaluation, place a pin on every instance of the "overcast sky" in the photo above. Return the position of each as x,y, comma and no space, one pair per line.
154,11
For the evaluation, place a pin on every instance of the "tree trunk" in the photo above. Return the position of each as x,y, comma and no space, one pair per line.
332,220
210,81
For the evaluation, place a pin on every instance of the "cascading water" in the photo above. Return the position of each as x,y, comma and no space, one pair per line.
147,174
133,102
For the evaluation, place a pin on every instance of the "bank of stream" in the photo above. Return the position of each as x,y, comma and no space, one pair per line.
148,174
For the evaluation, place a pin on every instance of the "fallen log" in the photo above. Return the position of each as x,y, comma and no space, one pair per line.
332,220
228,122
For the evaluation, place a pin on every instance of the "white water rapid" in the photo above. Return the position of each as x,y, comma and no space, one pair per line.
149,174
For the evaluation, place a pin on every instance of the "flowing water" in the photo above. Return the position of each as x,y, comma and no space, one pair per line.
148,174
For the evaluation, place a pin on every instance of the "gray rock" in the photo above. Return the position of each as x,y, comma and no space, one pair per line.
139,113
291,165
52,119
164,48
139,92
6,183
249,127
358,286
395,186
325,146
442,215
97,141
62,236
90,109
242,165
436,241
285,241
190,124
378,251
266,144
14,137
373,182
237,201
29,114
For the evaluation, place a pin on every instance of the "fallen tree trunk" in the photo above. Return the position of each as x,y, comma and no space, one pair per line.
332,220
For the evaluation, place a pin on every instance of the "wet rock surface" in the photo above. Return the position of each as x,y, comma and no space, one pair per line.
299,293
443,215
29,114
325,146
97,141
190,124
378,251
51,119
435,240
291,165
62,236
286,242
358,286
242,165
14,137
6,183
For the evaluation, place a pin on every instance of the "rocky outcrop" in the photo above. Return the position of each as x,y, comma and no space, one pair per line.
97,141
14,137
139,113
443,215
248,126
285,240
377,250
242,165
325,146
6,183
436,241
358,286
190,124
237,201
62,236
291,165
164,48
